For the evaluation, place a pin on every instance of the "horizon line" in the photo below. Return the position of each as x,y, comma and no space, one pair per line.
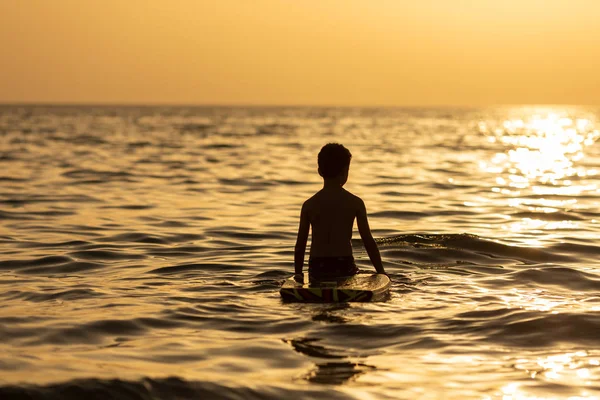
266,105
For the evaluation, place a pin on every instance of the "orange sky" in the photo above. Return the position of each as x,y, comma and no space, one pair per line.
310,52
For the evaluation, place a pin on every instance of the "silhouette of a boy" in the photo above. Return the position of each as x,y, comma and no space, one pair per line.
331,213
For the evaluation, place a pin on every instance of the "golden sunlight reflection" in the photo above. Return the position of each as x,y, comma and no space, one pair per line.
541,170
579,369
543,149
513,391
538,300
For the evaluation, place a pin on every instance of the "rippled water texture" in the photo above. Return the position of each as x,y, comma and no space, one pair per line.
142,250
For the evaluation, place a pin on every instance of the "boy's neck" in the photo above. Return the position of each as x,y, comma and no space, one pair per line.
332,184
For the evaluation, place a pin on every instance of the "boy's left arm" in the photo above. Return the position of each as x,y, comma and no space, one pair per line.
301,241
367,238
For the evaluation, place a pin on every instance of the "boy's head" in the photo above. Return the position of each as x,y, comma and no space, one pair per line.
334,161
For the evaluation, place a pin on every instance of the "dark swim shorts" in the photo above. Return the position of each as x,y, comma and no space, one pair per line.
331,267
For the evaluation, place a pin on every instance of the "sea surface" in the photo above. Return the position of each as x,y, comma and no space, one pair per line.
142,248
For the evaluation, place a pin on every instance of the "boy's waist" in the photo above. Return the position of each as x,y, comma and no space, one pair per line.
328,267
320,259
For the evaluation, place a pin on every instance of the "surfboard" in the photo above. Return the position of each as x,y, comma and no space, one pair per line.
360,287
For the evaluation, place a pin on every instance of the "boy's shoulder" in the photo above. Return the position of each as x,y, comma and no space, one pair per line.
352,197
310,202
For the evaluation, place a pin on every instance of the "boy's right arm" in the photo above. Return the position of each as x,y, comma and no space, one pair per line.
367,238
301,240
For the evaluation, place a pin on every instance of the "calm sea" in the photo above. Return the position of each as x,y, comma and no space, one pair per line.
142,249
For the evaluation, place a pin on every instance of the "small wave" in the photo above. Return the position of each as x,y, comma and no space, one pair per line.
131,207
575,248
101,331
135,237
48,265
399,214
94,176
222,146
472,243
158,389
394,193
558,276
93,173
35,198
176,269
275,129
72,294
196,128
249,182
11,178
172,224
238,233
517,327
68,268
179,251
83,140
37,262
290,182
34,215
139,144
548,329
553,216
105,255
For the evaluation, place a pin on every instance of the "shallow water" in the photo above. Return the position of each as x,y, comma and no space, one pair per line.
142,250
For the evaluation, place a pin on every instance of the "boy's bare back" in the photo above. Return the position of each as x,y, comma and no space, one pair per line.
331,213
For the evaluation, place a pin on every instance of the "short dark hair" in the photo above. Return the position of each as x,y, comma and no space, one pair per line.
333,159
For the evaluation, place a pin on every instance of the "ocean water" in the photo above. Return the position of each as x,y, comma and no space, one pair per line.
142,249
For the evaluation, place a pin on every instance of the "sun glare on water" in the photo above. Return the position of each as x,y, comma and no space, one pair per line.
575,368
540,171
